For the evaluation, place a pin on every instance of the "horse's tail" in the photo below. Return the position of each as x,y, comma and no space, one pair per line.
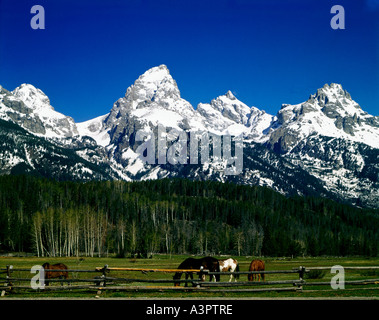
237,276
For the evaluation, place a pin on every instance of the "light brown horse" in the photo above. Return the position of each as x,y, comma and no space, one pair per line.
60,273
256,265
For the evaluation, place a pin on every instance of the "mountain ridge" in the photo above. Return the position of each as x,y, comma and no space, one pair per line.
292,135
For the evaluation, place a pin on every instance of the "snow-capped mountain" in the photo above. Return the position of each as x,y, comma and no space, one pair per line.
329,112
325,146
24,153
31,108
228,115
153,98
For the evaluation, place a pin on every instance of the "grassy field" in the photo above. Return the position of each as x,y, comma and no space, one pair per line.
167,262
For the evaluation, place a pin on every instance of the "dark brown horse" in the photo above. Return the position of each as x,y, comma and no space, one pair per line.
256,265
208,263
60,273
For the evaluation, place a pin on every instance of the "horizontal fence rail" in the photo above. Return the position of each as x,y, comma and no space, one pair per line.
345,268
103,281
149,269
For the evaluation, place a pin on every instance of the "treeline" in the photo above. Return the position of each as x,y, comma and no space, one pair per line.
176,216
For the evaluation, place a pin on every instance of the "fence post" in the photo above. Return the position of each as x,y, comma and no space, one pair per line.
9,282
103,282
201,276
301,277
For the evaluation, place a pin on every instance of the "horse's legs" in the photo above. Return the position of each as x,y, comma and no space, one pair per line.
186,284
233,276
191,276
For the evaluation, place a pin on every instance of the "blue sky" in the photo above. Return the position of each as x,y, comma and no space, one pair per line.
267,52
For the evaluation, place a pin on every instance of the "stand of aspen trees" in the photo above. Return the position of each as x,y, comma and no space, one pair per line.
176,216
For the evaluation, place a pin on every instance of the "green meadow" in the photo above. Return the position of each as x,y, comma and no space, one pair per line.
171,262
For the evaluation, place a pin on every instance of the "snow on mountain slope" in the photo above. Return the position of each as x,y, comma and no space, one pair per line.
95,129
223,112
154,97
260,124
330,112
230,108
24,153
348,169
33,98
228,115
326,145
30,108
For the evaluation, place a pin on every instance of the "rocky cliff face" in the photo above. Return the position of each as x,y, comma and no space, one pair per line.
326,145
329,112
30,107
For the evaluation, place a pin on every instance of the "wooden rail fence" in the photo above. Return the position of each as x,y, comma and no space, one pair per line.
104,281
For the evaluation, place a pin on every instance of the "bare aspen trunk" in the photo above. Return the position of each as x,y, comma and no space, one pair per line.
36,225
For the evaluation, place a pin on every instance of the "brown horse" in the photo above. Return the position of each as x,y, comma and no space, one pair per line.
256,265
60,273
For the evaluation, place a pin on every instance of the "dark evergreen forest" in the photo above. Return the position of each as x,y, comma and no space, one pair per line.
176,216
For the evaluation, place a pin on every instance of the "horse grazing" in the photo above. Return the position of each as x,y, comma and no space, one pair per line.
230,265
208,263
256,265
60,273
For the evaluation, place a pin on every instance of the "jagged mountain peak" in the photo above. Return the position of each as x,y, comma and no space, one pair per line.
334,89
156,84
156,74
332,100
335,95
30,108
330,112
153,98
231,108
324,137
228,115
3,91
230,95
33,97
154,87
